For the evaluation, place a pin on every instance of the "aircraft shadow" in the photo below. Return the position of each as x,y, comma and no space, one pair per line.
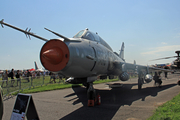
112,100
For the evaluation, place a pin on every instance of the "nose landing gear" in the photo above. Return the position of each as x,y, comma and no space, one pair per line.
92,97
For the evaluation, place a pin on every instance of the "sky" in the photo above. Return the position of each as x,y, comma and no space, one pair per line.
150,29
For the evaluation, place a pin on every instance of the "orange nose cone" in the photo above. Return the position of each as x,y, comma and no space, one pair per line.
54,55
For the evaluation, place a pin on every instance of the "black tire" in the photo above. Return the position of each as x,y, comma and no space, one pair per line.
178,82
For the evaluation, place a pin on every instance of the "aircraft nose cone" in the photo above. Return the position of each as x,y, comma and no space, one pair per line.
54,55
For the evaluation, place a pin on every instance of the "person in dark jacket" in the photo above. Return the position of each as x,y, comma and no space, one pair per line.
165,73
52,76
18,76
157,79
12,77
28,75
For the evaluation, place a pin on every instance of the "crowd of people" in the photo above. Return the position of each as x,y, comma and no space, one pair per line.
5,77
12,75
26,75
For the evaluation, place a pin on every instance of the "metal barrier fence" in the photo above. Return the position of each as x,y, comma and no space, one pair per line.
15,85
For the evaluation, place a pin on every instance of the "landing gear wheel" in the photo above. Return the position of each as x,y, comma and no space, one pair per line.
178,82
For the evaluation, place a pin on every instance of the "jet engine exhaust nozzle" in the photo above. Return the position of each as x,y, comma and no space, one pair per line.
54,55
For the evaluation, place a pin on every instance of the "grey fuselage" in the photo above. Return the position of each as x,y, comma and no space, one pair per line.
90,57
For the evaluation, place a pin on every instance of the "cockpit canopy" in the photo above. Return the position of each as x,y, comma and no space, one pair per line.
86,34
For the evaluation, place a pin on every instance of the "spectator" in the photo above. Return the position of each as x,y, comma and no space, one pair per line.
165,73
28,75
38,75
60,78
23,75
34,75
157,79
11,74
18,77
52,76
5,78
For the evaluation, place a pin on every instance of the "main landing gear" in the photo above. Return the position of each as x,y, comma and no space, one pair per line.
140,80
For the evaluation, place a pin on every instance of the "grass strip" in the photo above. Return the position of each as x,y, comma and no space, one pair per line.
168,111
50,87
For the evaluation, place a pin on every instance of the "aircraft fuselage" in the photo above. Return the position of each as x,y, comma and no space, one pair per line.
86,58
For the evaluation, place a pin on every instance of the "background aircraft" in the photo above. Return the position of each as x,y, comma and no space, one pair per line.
38,69
86,56
35,69
175,64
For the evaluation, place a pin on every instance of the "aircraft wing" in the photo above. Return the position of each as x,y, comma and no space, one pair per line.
143,72
129,66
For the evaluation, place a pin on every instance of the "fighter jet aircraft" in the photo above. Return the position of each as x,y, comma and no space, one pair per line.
84,57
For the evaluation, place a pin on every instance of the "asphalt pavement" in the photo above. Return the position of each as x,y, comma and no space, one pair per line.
125,102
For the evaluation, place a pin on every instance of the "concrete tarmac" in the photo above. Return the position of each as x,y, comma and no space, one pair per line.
118,103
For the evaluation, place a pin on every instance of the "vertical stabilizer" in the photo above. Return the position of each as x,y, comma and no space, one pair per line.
36,67
121,54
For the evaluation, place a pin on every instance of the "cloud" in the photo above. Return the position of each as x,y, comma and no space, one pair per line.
163,43
162,49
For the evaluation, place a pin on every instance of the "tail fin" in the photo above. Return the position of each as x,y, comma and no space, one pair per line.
36,67
121,54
